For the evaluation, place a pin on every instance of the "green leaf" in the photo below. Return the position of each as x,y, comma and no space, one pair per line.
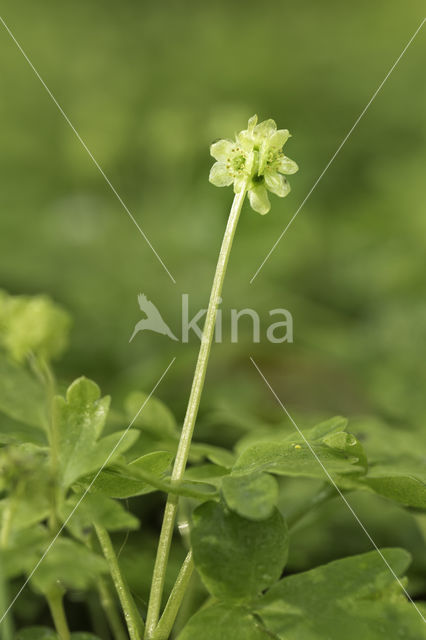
327,427
154,417
33,325
353,598
237,558
223,622
26,480
26,511
80,419
407,490
217,455
118,481
70,563
107,450
23,551
397,467
252,496
340,456
210,473
93,510
133,479
22,397
284,433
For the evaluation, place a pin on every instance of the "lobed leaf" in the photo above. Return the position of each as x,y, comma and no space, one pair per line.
23,551
217,455
92,510
209,473
407,490
237,558
154,417
119,482
22,397
253,496
353,598
80,419
397,463
223,622
70,563
298,459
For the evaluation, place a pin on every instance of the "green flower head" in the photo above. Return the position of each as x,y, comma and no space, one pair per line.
255,161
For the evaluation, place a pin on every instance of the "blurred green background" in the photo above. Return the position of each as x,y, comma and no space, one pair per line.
149,86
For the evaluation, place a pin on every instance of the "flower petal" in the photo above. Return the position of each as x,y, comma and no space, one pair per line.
266,128
259,200
221,149
219,175
245,140
252,122
277,183
279,138
287,166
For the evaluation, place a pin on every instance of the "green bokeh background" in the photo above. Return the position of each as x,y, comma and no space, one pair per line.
149,86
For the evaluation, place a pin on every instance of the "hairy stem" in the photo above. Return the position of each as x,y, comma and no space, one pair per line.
133,620
167,620
187,606
190,417
55,600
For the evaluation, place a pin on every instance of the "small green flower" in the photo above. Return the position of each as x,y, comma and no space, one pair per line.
254,159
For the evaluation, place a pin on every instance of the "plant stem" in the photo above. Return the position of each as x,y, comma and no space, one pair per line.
133,620
55,600
45,373
100,626
109,606
166,534
6,523
167,620
6,627
187,606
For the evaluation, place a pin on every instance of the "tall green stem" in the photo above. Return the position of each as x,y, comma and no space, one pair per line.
55,600
165,625
133,620
191,416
